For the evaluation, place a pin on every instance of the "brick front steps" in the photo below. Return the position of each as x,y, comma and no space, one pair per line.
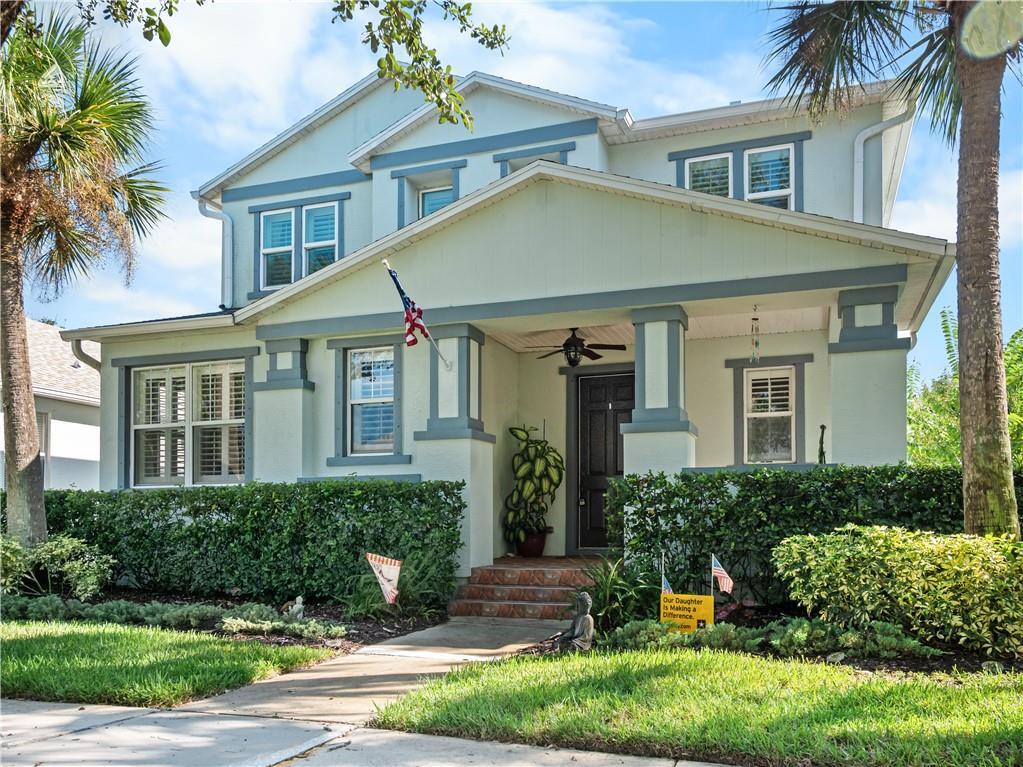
516,587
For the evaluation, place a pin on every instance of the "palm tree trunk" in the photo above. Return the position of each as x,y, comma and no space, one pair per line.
989,501
23,467
9,12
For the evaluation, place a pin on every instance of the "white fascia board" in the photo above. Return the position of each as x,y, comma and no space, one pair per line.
936,281
910,245
360,156
65,396
150,327
284,139
734,115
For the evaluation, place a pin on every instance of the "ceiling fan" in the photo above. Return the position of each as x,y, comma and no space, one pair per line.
575,348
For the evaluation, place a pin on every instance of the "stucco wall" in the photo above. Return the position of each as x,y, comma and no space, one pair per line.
74,444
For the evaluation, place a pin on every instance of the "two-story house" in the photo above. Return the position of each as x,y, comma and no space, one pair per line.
738,258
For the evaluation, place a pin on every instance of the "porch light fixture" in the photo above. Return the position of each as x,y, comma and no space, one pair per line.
575,348
573,356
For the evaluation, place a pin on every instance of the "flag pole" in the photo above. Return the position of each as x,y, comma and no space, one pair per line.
712,581
429,335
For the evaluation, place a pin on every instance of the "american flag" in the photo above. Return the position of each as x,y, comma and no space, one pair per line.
413,313
665,586
387,571
724,580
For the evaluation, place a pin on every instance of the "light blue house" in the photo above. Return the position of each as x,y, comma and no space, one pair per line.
665,236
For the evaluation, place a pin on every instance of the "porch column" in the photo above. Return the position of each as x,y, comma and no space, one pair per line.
454,445
283,414
868,378
661,436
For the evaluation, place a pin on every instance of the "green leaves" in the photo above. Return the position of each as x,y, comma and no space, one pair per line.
956,589
269,541
538,469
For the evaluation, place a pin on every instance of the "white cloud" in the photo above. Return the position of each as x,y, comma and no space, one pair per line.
184,242
119,303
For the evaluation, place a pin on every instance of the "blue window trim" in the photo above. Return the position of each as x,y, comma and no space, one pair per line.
341,348
561,150
738,149
292,185
297,246
402,174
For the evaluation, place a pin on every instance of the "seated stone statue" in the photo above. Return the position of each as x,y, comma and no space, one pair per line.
578,636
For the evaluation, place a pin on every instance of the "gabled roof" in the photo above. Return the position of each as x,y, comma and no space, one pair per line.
359,157
283,140
927,249
56,373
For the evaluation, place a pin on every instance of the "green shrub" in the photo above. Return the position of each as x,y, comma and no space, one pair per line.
621,593
62,565
959,589
741,516
309,628
788,638
268,541
46,608
13,607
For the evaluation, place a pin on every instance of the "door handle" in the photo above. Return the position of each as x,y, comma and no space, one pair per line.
582,501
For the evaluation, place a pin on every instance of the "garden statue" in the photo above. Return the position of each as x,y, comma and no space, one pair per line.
294,609
578,636
822,458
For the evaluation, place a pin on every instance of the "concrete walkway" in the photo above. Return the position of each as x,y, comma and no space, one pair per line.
309,718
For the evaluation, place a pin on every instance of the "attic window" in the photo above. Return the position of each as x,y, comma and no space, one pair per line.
769,176
432,200
711,174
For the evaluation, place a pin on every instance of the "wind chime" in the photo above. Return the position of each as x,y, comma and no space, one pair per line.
754,352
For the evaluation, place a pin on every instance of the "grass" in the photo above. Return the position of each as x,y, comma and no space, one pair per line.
728,707
130,665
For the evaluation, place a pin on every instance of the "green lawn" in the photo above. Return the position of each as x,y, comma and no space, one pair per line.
720,706
129,665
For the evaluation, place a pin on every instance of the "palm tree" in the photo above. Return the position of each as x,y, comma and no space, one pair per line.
824,51
74,190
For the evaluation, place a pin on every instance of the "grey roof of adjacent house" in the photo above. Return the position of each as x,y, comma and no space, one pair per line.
56,372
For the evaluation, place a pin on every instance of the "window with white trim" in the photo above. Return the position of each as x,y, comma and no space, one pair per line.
276,247
370,417
188,424
769,176
432,200
43,430
769,415
711,174
319,236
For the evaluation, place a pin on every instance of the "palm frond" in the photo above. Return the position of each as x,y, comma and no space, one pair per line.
824,51
950,334
141,198
930,74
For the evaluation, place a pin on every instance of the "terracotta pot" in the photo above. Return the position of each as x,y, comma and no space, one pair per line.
532,546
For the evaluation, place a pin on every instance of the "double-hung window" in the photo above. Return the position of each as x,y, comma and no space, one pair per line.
188,424
277,231
711,174
769,416
370,401
769,175
432,200
319,235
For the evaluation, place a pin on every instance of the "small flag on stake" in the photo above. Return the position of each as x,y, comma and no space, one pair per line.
665,586
724,580
387,571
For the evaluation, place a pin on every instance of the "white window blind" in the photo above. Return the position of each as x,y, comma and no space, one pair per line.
769,176
710,175
189,424
276,247
371,401
770,416
319,235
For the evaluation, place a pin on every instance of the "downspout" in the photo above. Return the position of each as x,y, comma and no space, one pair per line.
861,139
226,249
82,356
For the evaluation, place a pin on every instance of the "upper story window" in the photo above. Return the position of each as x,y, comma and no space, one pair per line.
371,401
769,417
319,236
711,174
769,175
188,424
276,247
432,200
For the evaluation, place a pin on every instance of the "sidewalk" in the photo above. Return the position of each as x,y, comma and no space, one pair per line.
310,718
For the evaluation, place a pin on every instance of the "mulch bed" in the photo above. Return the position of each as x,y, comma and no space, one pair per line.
361,632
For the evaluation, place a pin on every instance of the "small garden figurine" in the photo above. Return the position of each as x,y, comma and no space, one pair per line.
578,636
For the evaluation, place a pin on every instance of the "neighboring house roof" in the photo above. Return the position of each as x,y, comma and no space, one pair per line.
283,140
56,373
359,157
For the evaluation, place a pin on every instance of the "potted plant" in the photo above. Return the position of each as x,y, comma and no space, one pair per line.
539,470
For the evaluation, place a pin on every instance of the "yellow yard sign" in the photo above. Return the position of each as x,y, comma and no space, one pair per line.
687,611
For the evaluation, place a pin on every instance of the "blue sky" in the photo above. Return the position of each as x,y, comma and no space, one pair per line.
237,73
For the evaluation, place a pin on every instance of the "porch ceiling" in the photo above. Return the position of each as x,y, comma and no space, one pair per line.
700,326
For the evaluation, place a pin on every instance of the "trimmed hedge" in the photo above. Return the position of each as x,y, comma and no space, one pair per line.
269,541
959,589
741,516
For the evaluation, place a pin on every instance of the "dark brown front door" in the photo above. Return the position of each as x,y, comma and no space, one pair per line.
605,403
